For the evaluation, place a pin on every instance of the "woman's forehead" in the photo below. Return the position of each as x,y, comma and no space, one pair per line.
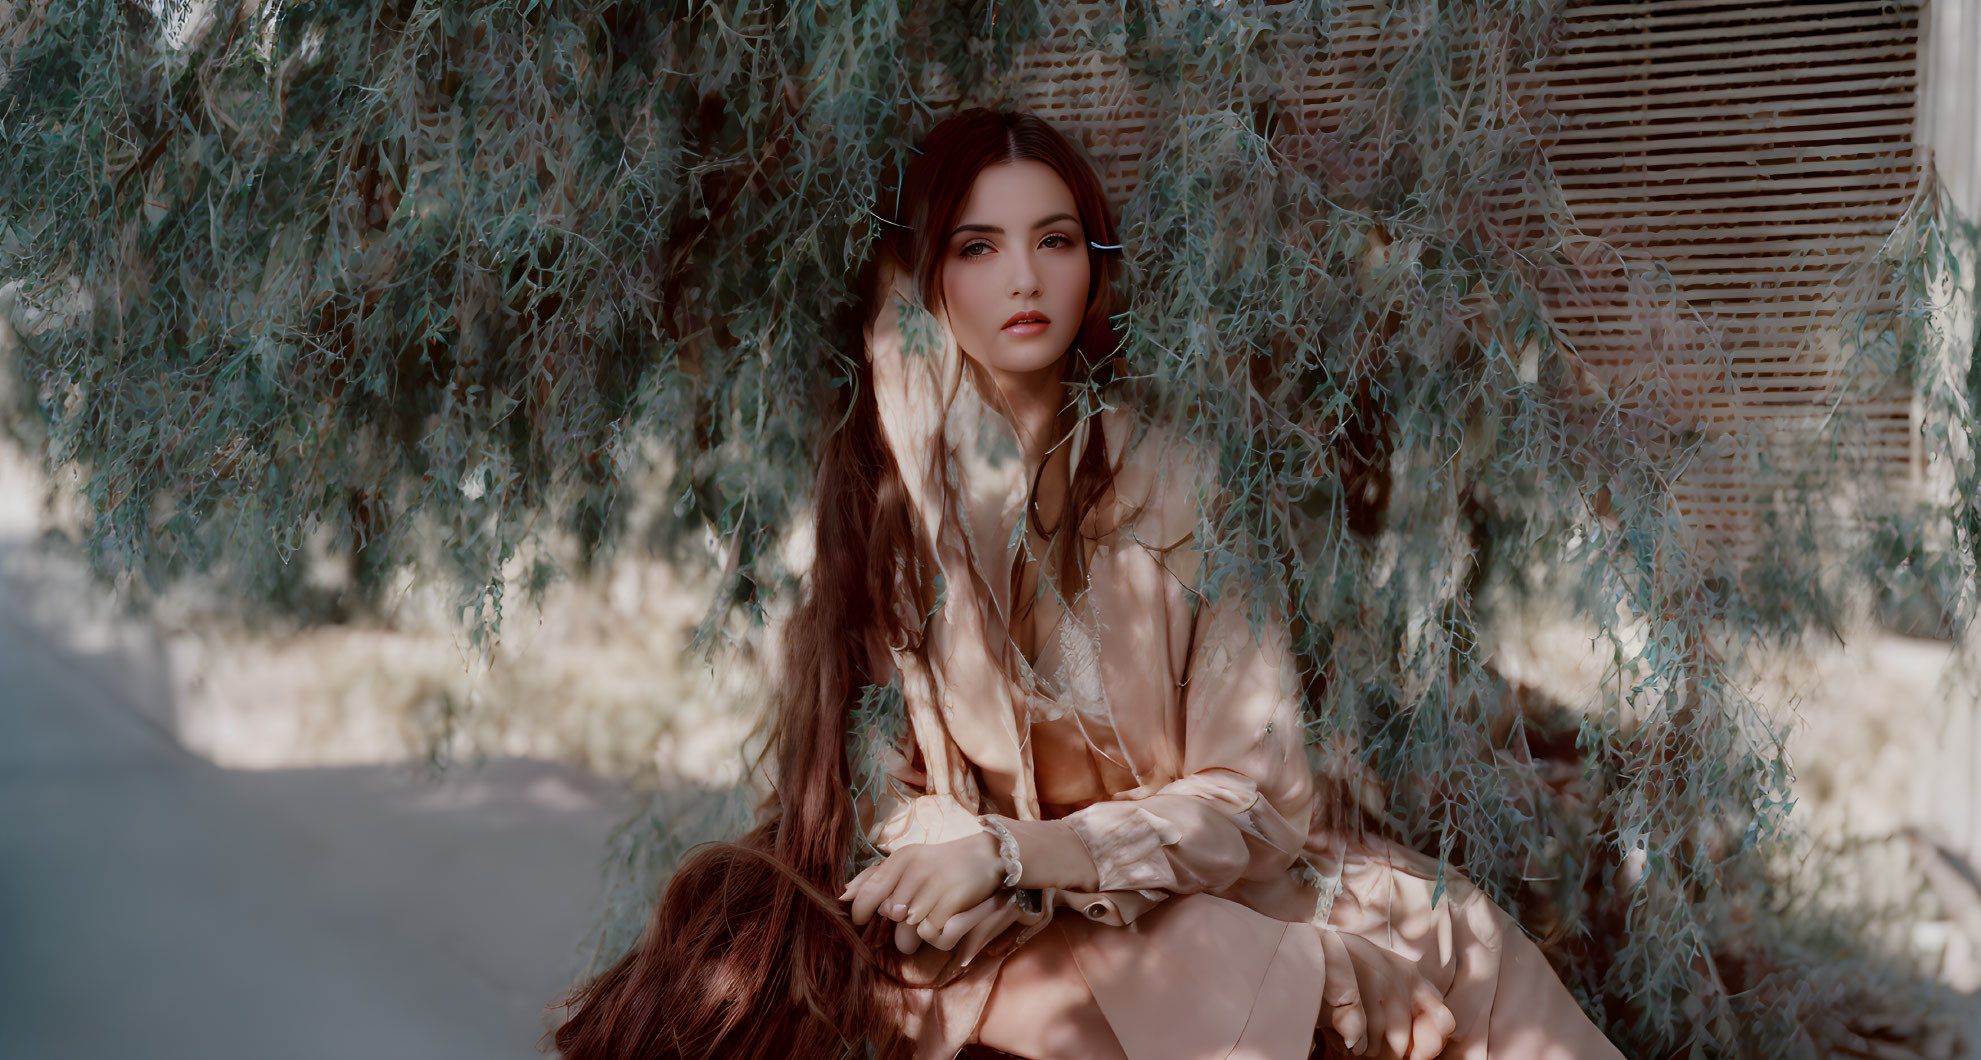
1026,194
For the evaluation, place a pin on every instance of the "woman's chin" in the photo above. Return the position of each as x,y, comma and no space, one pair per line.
1026,356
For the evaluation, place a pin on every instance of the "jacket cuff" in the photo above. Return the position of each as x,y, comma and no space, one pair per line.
924,819
1125,842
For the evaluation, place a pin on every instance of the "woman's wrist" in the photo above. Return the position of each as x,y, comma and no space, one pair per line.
1048,854
1007,868
1010,864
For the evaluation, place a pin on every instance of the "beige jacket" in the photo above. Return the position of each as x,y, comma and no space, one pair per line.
1161,729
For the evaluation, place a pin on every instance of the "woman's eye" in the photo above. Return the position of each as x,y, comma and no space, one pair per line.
969,250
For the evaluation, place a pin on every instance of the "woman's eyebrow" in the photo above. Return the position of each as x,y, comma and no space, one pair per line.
995,230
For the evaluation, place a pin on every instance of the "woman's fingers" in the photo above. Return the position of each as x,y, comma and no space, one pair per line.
921,902
938,903
930,928
1004,913
876,888
939,897
854,886
934,924
906,882
959,925
1383,1001
1434,1022
1396,1014
917,890
912,893
858,878
1403,1015
1341,992
905,938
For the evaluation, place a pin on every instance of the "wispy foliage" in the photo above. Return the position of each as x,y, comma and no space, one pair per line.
362,272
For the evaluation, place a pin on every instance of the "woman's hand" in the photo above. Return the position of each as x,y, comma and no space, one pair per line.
969,931
922,887
1379,1003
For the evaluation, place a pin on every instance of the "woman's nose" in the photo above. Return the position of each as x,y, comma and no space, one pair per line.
1024,277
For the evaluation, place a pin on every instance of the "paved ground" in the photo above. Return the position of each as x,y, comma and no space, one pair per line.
153,906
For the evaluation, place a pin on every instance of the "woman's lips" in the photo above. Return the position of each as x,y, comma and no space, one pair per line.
1029,327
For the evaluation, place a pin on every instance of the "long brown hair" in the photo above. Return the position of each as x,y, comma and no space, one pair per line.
747,956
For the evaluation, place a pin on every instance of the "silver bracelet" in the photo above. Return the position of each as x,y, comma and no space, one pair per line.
1007,848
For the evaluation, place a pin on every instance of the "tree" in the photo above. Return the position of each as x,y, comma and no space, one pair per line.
396,274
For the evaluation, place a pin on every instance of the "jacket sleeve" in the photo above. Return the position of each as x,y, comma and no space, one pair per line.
1237,802
1242,803
894,805
1240,807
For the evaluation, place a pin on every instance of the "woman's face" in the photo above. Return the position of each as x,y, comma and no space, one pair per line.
1017,248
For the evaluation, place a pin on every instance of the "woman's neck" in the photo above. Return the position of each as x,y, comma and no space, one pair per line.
1035,403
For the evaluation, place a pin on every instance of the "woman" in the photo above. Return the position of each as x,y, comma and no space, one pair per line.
1098,832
